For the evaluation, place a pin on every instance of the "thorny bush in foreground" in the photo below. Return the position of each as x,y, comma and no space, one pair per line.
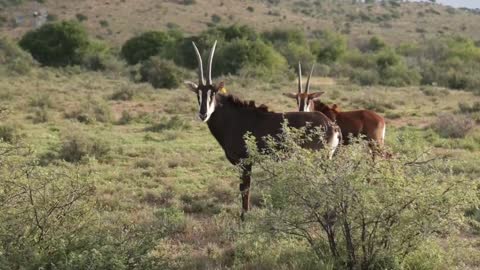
356,212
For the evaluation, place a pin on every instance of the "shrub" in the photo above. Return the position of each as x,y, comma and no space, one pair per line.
125,93
453,126
77,146
465,108
161,73
40,115
216,18
56,44
285,36
9,133
256,56
295,53
44,210
375,44
328,46
81,17
13,59
189,2
90,111
142,47
353,211
51,219
99,57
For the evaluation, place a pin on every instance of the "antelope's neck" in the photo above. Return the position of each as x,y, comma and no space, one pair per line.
221,121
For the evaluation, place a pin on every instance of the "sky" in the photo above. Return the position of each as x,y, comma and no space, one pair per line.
461,3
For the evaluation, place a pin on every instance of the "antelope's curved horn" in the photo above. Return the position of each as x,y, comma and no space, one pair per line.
307,88
201,79
299,78
210,60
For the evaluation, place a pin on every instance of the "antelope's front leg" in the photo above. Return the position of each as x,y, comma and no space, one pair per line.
245,191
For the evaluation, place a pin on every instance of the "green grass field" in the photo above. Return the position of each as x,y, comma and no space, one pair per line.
158,155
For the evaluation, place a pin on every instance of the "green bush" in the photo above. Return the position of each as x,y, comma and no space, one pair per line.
285,36
57,44
375,44
295,53
9,133
328,46
77,146
449,62
52,219
142,47
90,111
384,67
453,126
161,73
257,56
354,211
13,60
125,93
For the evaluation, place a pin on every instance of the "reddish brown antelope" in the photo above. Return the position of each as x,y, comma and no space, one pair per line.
230,118
354,123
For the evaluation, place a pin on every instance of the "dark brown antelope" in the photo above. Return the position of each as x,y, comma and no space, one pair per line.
352,123
230,118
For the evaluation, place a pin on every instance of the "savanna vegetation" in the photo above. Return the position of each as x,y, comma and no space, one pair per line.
102,167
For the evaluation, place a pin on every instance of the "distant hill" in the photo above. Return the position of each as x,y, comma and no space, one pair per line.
118,20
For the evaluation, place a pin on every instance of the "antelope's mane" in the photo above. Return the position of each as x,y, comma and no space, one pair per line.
320,105
248,104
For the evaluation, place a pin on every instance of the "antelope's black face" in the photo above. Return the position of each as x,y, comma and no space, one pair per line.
206,91
304,100
206,99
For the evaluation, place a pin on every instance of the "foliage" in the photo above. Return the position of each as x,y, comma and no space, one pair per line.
43,209
13,60
450,62
384,67
9,133
57,44
354,211
161,73
450,125
328,46
147,44
50,221
76,146
90,111
259,58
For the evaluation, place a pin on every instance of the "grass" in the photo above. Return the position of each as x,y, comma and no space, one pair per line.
166,158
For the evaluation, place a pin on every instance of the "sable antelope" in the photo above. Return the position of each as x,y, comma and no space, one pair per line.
229,118
360,122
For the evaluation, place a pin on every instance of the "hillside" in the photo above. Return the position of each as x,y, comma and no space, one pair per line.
104,163
117,20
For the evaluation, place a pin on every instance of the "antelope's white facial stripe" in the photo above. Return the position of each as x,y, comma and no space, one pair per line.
306,105
210,103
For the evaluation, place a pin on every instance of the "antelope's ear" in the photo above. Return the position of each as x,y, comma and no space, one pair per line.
192,86
290,95
315,95
335,107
